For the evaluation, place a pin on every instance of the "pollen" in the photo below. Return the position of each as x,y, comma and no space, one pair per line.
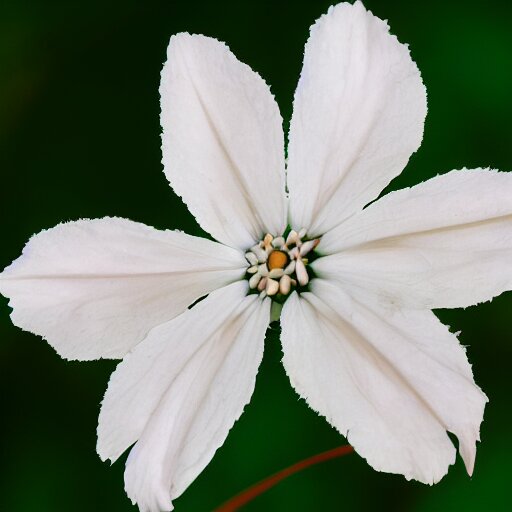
277,259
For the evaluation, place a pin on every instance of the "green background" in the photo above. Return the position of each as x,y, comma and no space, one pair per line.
79,138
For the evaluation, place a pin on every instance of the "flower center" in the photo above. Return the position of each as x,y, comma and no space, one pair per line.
278,265
277,259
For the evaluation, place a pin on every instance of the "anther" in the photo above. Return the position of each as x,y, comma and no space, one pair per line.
260,253
262,269
302,273
308,246
294,253
262,284
267,240
272,287
276,273
292,237
290,268
254,280
285,285
251,258
278,242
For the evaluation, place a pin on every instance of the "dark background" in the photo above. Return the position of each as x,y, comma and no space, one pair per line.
79,137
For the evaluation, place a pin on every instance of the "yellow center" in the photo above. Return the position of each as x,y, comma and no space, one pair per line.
277,259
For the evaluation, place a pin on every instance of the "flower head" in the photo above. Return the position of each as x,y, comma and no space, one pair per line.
356,278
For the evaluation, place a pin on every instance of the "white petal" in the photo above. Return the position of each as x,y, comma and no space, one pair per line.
180,392
94,288
222,141
358,116
442,244
392,383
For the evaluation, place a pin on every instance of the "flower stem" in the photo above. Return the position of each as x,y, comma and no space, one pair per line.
275,311
255,490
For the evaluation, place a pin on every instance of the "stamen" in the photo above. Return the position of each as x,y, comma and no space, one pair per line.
276,273
302,273
251,258
263,269
254,280
294,253
290,269
272,287
285,284
292,237
278,242
260,253
308,246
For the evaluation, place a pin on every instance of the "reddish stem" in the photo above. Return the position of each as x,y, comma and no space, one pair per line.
255,490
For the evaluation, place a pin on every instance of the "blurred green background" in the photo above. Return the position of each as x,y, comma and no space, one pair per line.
80,137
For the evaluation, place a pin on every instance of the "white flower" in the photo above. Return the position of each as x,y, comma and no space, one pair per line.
360,342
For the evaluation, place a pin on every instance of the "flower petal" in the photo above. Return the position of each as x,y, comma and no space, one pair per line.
94,288
442,244
358,116
222,141
180,392
392,383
